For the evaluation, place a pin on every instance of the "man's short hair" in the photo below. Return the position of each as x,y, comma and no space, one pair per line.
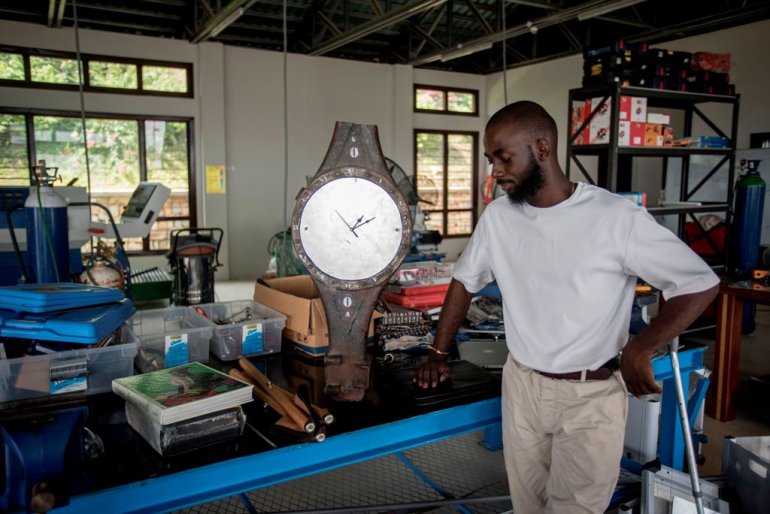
530,116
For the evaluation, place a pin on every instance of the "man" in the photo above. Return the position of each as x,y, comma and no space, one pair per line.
566,257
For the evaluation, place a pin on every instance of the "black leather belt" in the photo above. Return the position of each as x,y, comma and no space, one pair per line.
603,372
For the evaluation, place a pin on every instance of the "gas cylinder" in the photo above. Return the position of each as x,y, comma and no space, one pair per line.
47,230
749,206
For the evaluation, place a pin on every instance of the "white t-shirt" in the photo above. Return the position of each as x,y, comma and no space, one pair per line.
567,274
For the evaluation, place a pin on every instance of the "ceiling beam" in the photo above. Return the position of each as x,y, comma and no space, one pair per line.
548,20
328,23
375,25
226,16
481,19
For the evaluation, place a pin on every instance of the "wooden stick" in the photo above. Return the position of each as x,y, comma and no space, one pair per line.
287,407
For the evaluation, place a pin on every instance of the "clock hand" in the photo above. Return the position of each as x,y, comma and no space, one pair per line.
343,220
365,222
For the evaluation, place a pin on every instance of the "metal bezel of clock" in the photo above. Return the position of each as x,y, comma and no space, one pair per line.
376,178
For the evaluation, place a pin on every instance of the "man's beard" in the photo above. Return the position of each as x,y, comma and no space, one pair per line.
531,183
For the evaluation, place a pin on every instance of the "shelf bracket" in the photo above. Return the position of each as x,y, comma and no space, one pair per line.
711,124
707,177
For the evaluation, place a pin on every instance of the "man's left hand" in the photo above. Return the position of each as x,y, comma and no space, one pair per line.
636,368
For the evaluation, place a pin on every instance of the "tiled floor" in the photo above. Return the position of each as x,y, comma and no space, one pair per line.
461,465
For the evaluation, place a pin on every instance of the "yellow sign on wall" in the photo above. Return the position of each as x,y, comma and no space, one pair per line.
215,179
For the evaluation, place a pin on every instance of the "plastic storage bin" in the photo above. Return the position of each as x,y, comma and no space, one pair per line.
244,327
88,369
170,337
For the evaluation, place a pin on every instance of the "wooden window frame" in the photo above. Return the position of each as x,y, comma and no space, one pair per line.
29,115
26,53
446,91
444,210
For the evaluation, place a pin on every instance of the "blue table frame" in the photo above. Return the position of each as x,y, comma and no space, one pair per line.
670,439
215,481
208,483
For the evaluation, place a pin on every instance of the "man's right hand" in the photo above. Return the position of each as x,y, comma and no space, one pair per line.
432,372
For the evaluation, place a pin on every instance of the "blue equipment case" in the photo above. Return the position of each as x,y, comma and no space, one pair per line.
40,298
83,326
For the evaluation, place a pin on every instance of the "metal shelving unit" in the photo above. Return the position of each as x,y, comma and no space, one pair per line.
615,162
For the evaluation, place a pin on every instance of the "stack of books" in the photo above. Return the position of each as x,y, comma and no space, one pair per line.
185,407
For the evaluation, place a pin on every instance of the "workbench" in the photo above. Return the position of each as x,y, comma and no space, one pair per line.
130,477
727,348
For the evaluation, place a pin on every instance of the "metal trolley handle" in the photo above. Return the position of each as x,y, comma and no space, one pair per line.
196,231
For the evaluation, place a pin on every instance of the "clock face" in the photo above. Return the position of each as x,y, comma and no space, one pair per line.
351,228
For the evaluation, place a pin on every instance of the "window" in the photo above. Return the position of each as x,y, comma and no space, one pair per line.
54,70
122,151
14,165
11,66
446,164
26,67
442,100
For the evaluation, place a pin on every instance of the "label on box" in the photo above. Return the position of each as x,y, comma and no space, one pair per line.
656,117
176,350
637,133
253,340
69,385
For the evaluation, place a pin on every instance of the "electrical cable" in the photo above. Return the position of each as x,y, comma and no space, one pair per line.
82,101
505,53
285,117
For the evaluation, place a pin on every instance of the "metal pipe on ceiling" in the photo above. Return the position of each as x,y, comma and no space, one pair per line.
375,25
521,29
226,16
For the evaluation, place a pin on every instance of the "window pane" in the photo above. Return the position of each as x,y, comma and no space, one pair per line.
430,169
112,74
461,102
460,173
59,141
459,223
11,66
434,221
14,164
162,78
54,70
167,162
113,153
429,99
161,232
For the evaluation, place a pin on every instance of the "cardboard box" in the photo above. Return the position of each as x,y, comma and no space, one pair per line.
577,118
637,133
668,135
633,108
298,298
599,126
630,133
653,134
660,118
638,109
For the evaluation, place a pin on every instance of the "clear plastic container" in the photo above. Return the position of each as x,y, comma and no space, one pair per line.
244,328
170,337
89,369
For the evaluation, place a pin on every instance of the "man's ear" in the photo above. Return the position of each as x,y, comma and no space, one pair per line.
542,149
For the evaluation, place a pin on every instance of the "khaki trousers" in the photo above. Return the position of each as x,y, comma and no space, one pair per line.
562,441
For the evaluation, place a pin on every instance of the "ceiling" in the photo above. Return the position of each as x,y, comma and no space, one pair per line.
423,33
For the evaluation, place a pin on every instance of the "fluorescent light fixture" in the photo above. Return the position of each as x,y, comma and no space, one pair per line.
609,7
229,20
463,50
